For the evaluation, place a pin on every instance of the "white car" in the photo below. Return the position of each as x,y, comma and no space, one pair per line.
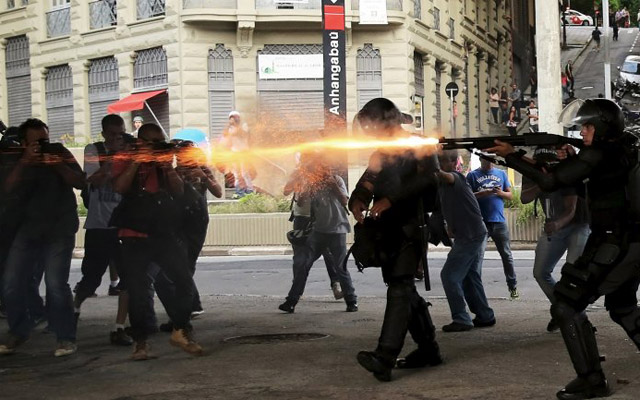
630,69
574,17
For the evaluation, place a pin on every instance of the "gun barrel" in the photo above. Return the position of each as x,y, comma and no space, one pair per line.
527,139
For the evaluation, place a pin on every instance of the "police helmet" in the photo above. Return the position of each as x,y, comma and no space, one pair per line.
605,115
380,117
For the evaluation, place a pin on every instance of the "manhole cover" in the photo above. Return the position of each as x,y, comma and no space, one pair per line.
275,338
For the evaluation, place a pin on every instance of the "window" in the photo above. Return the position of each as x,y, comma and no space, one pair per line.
59,18
103,13
150,69
369,74
417,9
452,29
221,88
418,74
436,18
18,73
103,89
438,85
150,8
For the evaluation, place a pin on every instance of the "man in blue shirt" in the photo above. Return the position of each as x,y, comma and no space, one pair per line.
491,187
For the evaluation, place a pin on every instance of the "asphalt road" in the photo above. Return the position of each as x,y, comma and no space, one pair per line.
271,276
590,73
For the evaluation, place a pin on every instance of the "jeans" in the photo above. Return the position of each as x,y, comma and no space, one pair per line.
51,252
494,113
462,280
101,247
499,232
572,238
170,254
318,243
302,251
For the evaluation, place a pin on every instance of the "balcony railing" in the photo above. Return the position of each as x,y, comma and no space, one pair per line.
103,13
391,5
289,5
59,22
12,3
209,4
150,8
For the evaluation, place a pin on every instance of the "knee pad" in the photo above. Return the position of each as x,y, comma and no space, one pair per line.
629,319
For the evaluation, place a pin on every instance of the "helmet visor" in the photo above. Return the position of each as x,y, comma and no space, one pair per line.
570,117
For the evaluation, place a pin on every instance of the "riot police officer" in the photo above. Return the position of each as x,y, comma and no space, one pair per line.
609,265
398,189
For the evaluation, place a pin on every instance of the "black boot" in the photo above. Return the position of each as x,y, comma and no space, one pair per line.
593,385
375,363
421,357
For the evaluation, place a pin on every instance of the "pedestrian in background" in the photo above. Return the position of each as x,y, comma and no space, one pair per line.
516,98
532,114
596,38
504,104
568,70
494,104
512,122
533,81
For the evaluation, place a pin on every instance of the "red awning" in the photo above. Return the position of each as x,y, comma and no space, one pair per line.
132,102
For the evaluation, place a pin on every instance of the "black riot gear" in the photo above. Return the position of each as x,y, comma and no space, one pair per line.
609,265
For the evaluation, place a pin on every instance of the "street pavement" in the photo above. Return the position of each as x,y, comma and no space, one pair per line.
516,359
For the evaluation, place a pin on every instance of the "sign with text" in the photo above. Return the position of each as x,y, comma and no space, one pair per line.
289,66
373,12
335,78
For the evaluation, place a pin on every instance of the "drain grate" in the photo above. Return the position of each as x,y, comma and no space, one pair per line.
275,338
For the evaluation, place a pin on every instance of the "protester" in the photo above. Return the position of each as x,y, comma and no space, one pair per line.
462,271
328,195
491,187
43,180
101,244
303,220
148,219
566,226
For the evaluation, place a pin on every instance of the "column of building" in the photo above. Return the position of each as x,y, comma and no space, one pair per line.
456,73
430,122
484,112
245,56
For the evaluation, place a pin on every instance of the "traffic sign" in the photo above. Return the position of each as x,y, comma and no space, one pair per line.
451,89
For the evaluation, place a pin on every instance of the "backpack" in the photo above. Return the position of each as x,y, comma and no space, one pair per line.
85,193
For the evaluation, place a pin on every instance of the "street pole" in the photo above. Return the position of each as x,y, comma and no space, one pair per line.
453,121
564,28
607,62
548,61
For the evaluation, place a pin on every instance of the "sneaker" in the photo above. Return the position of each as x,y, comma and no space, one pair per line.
287,307
552,326
337,290
513,293
196,313
65,348
457,327
140,351
483,324
12,342
183,338
352,307
120,338
114,291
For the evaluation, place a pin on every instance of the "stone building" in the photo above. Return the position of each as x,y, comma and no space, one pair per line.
188,63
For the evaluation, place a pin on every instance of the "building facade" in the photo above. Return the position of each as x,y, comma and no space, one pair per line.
190,62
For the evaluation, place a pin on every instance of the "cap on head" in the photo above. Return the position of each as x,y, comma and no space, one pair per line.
138,119
234,114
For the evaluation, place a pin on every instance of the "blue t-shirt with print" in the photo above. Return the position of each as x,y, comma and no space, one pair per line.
492,206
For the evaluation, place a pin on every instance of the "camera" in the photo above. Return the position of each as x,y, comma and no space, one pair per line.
164,147
47,147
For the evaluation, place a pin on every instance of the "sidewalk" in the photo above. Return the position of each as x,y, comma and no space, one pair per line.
516,359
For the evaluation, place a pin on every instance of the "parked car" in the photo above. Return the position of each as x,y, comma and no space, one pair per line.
574,17
630,69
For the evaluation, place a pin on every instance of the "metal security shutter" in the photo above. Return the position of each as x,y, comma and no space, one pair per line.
438,97
103,89
59,101
150,73
18,79
221,89
291,104
369,74
160,106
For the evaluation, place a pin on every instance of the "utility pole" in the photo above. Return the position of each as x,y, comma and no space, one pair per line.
548,68
607,61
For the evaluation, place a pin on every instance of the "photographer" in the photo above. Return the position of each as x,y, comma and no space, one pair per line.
43,179
148,218
198,179
102,246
